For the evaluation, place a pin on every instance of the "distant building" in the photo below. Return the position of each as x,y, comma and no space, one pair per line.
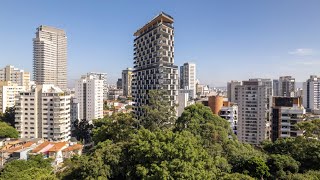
89,95
114,94
119,83
311,93
230,113
74,110
43,112
287,85
101,76
15,75
275,87
183,101
50,57
231,93
188,77
154,67
8,93
286,113
254,98
127,82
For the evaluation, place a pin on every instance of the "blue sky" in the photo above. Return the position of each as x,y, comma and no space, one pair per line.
229,40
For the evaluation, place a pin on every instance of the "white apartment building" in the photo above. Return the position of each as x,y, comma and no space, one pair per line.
8,93
254,97
43,112
154,67
127,82
311,93
231,93
231,114
89,95
15,75
188,77
183,101
286,113
50,57
101,76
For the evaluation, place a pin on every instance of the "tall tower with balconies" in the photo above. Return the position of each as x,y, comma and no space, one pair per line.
154,67
50,57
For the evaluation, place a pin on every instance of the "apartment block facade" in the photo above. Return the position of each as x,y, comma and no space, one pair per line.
15,75
188,77
101,76
8,93
286,113
311,93
89,95
154,67
254,98
43,112
127,82
50,57
231,92
287,85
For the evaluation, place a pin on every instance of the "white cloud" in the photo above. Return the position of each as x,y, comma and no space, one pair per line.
302,52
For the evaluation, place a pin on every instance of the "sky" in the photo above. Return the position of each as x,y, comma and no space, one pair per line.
228,40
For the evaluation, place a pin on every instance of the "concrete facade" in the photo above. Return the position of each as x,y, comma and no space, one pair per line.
43,112
50,57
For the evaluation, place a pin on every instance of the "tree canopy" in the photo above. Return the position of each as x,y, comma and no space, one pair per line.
7,131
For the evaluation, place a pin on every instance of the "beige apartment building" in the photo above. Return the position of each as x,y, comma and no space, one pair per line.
8,93
15,75
44,112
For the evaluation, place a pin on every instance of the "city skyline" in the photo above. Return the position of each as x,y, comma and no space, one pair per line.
266,39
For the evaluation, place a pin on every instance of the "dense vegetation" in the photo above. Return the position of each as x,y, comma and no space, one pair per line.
198,145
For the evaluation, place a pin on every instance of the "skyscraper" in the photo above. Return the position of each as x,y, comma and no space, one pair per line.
101,76
311,93
50,57
254,97
287,85
188,77
275,87
127,82
154,67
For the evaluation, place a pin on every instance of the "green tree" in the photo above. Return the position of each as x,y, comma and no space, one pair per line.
311,128
158,113
82,130
305,151
7,131
117,127
9,116
282,165
34,168
255,167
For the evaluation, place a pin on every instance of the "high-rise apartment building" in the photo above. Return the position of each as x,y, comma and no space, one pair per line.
154,67
188,77
287,85
127,82
89,95
311,93
15,75
254,98
50,57
101,76
43,112
8,93
231,93
286,113
230,113
275,87
119,83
